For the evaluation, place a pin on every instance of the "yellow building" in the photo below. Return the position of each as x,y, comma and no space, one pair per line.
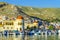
35,23
16,24
1,25
11,24
8,25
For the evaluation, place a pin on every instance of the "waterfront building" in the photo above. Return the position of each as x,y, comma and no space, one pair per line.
1,26
16,24
11,25
35,23
8,25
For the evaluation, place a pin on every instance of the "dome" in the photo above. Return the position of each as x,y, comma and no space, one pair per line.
19,17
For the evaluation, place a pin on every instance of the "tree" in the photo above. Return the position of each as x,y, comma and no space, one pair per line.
51,27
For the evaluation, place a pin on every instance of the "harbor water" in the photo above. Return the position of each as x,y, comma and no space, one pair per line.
32,37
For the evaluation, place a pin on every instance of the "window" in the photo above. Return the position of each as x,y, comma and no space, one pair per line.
7,27
19,23
11,27
3,27
9,23
0,23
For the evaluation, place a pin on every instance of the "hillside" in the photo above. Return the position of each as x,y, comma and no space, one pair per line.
48,14
51,14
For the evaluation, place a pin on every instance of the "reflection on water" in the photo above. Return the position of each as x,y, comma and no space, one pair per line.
34,37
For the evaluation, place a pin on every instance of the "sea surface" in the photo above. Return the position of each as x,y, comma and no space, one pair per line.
31,37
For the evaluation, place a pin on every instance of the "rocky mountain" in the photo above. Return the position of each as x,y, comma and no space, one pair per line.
30,13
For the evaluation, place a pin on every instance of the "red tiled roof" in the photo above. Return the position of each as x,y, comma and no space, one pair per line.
19,17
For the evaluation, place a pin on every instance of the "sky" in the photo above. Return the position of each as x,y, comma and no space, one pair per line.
35,3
